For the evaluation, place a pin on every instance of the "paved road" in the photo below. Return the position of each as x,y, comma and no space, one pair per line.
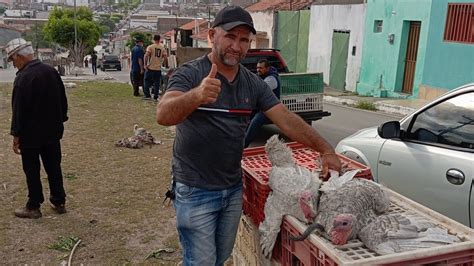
120,76
343,122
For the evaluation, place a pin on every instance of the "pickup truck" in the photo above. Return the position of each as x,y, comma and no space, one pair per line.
302,93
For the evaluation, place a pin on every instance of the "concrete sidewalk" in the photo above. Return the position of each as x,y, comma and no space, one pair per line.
87,76
8,75
389,105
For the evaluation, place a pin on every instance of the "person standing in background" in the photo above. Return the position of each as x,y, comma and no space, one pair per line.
94,62
155,56
270,75
137,69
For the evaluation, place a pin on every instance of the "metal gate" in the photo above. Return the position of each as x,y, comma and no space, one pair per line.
338,69
410,58
292,35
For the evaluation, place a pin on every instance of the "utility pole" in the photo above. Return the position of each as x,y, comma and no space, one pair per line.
75,36
36,38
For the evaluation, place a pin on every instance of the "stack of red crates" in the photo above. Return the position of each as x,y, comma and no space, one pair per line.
256,166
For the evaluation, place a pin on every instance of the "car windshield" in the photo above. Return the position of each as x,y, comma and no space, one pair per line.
111,57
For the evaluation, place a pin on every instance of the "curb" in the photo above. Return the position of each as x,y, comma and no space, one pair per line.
381,106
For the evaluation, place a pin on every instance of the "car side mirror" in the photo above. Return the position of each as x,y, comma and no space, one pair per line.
389,130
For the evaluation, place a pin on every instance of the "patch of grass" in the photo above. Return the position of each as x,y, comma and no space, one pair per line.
172,242
70,176
64,243
160,253
366,106
114,187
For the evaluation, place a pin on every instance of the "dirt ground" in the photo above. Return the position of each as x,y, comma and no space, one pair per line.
114,195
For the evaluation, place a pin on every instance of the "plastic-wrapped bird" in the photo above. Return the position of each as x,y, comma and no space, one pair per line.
294,192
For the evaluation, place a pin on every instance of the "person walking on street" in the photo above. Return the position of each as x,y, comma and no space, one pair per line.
210,100
137,69
39,106
270,75
155,56
94,62
86,62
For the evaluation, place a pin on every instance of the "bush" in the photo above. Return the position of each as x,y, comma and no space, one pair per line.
366,106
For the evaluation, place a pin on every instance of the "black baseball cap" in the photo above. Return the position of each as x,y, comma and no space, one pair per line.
232,16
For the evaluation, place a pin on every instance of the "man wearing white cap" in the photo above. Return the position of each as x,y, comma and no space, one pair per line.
39,106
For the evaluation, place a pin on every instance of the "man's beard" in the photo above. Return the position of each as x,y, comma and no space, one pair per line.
229,61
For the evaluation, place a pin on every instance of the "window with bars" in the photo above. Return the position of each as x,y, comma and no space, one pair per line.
460,23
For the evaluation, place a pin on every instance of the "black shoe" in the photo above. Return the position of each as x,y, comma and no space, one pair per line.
26,212
59,209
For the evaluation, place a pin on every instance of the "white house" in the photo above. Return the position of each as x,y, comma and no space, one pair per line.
335,43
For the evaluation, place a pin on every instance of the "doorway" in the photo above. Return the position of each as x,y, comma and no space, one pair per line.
338,68
410,57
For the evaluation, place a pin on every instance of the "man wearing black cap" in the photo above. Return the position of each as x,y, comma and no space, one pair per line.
210,101
137,66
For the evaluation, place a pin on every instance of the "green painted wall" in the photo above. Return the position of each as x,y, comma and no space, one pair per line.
382,62
292,38
449,64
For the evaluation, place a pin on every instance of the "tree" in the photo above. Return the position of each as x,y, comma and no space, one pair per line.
146,37
60,29
106,24
36,37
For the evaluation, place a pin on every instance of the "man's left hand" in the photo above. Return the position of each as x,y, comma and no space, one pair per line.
329,161
16,145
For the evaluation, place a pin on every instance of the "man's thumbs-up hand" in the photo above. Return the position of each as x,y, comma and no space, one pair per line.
210,87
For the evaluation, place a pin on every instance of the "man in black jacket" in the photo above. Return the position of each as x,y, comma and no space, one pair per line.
39,106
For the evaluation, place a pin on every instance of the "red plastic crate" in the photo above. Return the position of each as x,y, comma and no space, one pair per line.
319,251
300,252
256,166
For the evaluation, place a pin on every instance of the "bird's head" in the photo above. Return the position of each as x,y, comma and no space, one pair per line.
342,227
307,202
135,127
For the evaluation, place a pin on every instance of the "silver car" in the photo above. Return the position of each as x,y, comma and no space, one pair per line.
427,156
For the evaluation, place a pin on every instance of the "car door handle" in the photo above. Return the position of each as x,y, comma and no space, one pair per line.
455,176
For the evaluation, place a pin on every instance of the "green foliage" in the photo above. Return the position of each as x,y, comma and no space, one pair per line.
82,13
2,10
119,16
70,176
106,24
64,243
146,37
115,19
366,106
60,27
36,36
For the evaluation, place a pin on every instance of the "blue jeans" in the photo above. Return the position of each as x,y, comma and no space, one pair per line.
257,122
207,222
94,68
152,77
